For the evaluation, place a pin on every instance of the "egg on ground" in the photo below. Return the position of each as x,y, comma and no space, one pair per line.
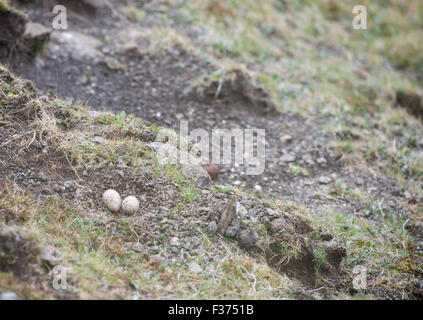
112,200
130,204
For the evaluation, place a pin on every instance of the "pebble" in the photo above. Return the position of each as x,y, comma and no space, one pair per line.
284,140
321,160
240,210
286,158
138,247
174,241
325,180
212,227
198,173
48,257
42,176
97,139
277,225
248,237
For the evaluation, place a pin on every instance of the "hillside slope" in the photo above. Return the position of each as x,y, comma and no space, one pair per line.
342,186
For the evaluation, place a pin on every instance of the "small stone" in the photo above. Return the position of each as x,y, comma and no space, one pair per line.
48,257
174,241
212,227
194,267
286,158
155,260
248,237
138,247
284,140
321,160
112,200
233,228
277,225
198,173
272,212
240,210
325,180
69,185
36,30
9,295
42,176
97,139
202,182
113,64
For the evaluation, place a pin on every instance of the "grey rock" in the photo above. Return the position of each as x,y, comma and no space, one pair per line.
325,180
78,45
43,176
212,227
286,158
69,185
97,139
196,172
174,241
138,247
202,182
277,225
321,160
272,212
284,140
36,30
248,237
233,228
48,257
240,210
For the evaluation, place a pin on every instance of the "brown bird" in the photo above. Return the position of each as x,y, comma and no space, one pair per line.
212,170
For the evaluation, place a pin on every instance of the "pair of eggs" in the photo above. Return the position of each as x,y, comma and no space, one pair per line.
114,203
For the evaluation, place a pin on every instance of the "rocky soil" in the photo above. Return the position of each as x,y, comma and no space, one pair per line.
109,63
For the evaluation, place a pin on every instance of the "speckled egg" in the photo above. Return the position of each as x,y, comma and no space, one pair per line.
112,200
130,205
